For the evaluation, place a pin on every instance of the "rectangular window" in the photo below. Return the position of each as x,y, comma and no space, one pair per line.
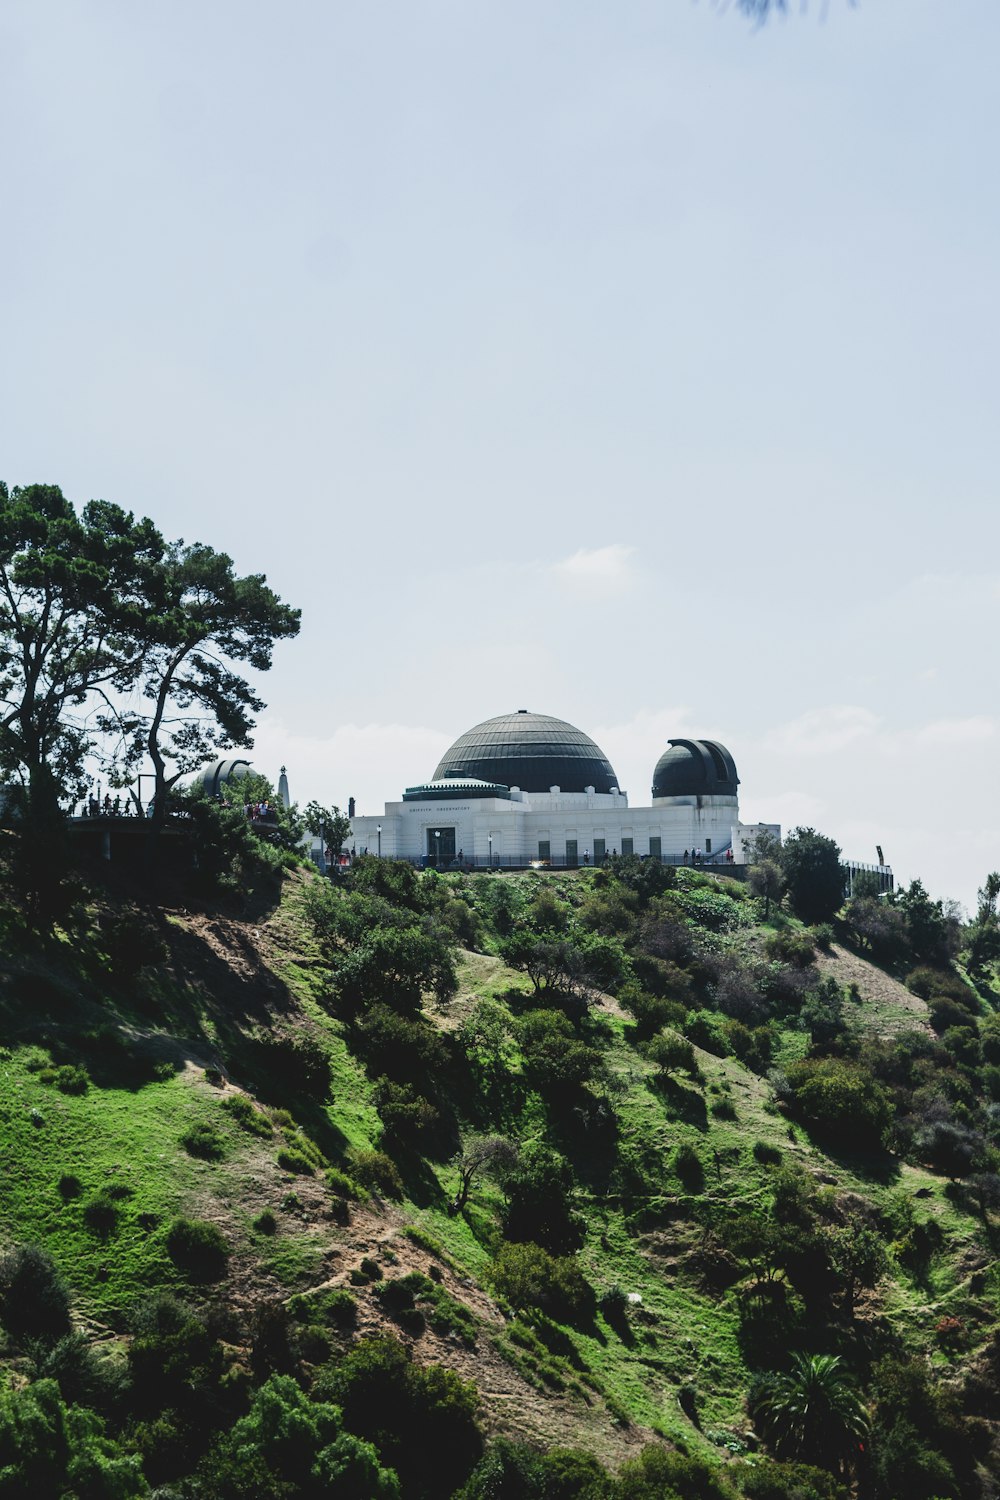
599,851
655,846
708,846
571,854
544,849
627,846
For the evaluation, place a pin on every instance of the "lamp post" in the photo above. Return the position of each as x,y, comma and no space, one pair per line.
437,849
379,832
490,842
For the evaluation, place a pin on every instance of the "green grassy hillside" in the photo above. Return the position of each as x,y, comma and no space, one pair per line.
715,1153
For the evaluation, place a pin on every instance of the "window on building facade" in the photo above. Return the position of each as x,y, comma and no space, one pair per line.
571,852
708,846
628,846
655,846
600,850
544,849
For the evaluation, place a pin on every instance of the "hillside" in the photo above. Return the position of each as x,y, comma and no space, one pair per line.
707,1146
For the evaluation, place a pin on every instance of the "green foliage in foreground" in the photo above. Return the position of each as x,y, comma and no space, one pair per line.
716,1204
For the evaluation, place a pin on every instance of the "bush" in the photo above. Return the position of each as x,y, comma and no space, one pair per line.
408,1118
792,946
266,1223
70,1186
841,1100
423,1418
707,1030
247,1116
70,1079
724,1109
34,1301
526,1276
345,1187
766,1154
651,1012
932,984
688,1167
198,1249
203,1141
295,1067
295,1162
377,1172
823,936
100,1214
539,1205
670,1053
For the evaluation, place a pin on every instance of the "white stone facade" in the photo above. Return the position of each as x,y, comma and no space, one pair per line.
547,825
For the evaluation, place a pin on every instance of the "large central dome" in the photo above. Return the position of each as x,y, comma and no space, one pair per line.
532,751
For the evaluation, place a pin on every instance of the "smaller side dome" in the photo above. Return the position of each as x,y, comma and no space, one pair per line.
213,777
695,768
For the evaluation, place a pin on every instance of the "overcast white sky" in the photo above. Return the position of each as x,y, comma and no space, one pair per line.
619,361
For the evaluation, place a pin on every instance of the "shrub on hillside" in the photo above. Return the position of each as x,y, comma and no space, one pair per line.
295,1162
708,1031
68,1079
539,1204
688,1167
754,1048
376,1171
651,1012
526,1276
557,1062
293,1066
204,1141
404,1048
670,1053
247,1116
422,1417
946,1013
792,945
841,1101
34,1301
100,1214
659,1472
933,984
198,1249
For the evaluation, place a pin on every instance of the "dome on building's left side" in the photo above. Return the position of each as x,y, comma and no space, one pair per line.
532,751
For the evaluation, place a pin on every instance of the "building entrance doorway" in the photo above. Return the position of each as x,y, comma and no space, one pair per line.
440,846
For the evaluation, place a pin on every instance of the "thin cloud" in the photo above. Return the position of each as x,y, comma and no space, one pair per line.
607,568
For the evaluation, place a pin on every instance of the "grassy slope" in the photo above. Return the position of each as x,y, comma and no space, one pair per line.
679,1334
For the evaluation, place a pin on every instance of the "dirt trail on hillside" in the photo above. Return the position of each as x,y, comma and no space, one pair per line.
888,1006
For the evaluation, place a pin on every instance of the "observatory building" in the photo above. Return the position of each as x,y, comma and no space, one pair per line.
525,788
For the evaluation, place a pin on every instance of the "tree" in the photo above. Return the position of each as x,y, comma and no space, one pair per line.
71,590
766,881
984,932
202,618
814,875
812,1412
328,824
482,1153
71,597
932,934
670,1053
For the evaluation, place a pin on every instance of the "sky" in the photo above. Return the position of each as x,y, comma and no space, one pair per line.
630,363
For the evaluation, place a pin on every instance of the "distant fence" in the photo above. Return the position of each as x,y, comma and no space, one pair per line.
716,864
